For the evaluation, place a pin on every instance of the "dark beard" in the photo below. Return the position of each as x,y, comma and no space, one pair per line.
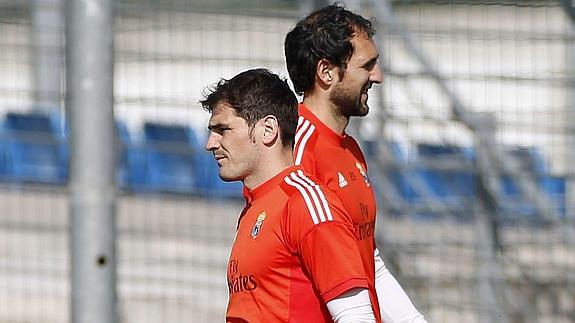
349,104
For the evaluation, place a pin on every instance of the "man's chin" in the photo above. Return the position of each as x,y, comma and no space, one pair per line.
361,111
364,110
228,178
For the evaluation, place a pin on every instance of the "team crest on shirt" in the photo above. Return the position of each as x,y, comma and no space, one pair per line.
258,226
363,174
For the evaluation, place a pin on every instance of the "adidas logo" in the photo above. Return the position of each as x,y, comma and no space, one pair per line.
342,180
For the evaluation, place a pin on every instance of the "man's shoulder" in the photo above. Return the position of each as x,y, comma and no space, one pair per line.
306,133
296,181
312,144
306,194
302,187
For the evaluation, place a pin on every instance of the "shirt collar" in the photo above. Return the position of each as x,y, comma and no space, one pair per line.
324,129
267,186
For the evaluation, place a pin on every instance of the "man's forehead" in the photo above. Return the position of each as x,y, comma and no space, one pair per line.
221,105
364,46
358,32
223,113
222,109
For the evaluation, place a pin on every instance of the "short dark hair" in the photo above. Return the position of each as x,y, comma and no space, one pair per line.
324,34
254,94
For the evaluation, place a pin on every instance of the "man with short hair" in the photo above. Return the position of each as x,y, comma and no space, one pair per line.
332,61
294,256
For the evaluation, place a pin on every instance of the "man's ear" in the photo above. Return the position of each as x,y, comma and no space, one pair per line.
325,72
271,130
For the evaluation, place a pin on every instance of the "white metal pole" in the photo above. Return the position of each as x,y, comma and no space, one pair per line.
47,41
89,103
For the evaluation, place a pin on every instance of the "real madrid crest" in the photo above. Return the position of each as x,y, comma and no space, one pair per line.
258,226
363,174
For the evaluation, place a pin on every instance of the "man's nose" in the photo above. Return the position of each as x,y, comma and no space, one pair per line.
376,74
213,142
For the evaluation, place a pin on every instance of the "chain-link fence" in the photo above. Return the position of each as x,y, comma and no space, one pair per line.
470,143
476,111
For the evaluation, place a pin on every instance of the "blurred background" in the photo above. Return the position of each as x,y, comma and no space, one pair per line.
470,143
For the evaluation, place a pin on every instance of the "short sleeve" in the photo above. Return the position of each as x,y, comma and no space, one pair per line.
321,233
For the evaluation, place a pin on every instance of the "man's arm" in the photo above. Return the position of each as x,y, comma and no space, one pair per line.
317,228
394,304
352,306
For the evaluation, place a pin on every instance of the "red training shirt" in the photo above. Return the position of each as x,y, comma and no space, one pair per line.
336,160
293,252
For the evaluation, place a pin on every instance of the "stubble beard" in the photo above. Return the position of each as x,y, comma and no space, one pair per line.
349,103
240,167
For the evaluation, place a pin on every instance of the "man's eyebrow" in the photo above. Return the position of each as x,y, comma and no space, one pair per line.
218,126
371,61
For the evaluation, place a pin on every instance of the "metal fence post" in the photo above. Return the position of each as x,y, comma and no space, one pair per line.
89,103
569,8
47,42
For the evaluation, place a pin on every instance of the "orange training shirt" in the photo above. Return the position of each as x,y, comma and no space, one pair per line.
293,252
337,161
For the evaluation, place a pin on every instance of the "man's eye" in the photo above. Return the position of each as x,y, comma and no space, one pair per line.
370,66
222,131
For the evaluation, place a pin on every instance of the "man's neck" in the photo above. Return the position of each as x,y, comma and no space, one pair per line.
326,112
270,165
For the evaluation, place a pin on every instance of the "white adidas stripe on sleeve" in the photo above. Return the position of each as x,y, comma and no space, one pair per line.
301,131
301,145
319,192
312,195
305,195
